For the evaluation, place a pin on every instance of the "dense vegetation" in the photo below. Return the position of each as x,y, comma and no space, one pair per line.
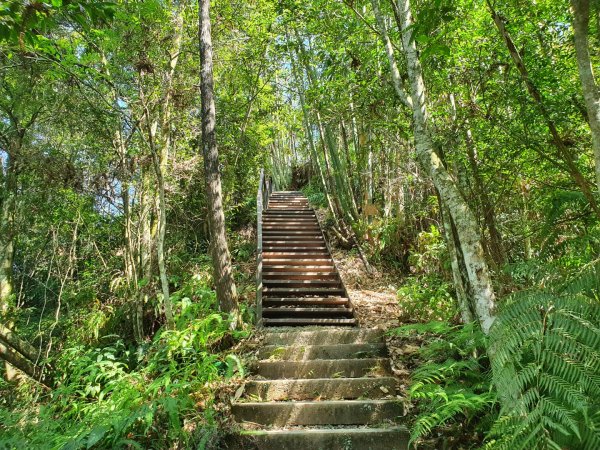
453,144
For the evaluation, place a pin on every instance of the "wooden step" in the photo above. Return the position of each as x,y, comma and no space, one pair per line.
297,291
308,256
269,267
295,262
292,220
305,301
286,248
269,282
303,322
300,275
293,244
307,312
307,227
292,233
292,237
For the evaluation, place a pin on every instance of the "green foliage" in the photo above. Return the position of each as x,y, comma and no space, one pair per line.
428,297
314,193
114,396
429,251
546,363
453,385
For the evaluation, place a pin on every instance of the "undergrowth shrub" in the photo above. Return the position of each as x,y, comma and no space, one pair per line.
452,389
114,396
544,350
428,297
315,194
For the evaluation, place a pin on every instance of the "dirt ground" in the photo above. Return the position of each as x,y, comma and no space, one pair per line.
375,301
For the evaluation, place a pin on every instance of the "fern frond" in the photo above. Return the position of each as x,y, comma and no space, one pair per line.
546,367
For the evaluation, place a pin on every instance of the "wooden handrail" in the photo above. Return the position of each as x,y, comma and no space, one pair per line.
265,188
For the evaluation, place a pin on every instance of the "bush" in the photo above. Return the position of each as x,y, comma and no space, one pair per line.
114,396
428,298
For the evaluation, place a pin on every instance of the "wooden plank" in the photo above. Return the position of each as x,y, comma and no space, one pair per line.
306,312
270,266
306,301
291,291
295,262
296,255
268,283
300,275
299,321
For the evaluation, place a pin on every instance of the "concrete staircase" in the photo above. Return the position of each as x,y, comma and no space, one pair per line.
328,388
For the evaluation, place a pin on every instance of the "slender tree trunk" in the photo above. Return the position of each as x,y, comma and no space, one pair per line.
563,152
458,269
389,51
496,249
466,225
581,20
226,289
7,226
146,227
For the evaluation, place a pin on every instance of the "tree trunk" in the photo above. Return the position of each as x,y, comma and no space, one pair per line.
389,51
226,290
581,20
7,227
466,225
496,249
563,152
458,269
20,354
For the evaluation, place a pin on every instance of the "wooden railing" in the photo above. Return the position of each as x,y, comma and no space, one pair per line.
265,188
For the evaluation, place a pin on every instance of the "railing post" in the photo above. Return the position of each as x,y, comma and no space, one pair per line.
259,257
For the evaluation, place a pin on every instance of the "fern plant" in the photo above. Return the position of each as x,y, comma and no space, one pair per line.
454,386
545,349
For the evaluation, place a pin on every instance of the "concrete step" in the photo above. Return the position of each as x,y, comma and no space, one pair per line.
325,337
324,368
326,412
392,438
320,388
336,351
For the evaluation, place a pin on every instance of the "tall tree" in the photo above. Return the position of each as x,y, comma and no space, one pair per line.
223,274
466,224
591,93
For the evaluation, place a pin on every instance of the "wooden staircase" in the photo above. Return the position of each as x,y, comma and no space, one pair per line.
298,283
